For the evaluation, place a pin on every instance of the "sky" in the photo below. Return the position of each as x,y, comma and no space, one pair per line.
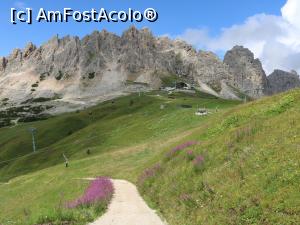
270,28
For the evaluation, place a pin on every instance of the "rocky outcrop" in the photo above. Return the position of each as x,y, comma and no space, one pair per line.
248,74
212,71
103,65
29,49
280,81
3,62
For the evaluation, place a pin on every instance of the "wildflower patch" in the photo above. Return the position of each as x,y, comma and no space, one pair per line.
99,192
174,151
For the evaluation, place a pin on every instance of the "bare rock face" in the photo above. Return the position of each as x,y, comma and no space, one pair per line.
3,62
248,74
75,73
212,71
99,66
138,50
280,81
29,49
211,67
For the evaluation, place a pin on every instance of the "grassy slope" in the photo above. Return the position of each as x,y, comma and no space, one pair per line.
123,139
250,173
105,127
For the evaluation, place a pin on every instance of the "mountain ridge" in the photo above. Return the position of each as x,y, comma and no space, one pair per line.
78,73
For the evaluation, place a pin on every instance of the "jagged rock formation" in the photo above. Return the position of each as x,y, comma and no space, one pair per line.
73,73
248,74
211,69
280,81
99,66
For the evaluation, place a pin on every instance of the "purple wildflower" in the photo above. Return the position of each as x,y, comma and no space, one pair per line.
149,173
198,160
180,147
100,190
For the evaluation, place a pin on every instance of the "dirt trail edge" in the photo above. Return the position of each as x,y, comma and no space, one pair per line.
128,208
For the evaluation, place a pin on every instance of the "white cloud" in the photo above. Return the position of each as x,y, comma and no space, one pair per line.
290,12
273,39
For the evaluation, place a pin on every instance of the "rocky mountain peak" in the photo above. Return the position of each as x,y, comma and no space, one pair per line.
242,52
29,49
248,74
102,65
131,33
53,42
280,81
16,54
294,72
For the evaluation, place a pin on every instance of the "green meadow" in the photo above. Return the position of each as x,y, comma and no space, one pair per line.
117,138
249,173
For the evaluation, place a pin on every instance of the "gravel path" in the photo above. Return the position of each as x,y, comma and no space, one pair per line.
128,208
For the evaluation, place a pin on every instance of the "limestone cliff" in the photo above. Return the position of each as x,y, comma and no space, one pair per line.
280,81
75,73
248,74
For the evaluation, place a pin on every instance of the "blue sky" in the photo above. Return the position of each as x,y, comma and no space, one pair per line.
175,17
